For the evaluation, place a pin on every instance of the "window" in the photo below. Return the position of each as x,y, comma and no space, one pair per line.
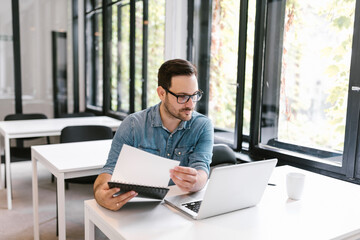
230,69
132,30
308,68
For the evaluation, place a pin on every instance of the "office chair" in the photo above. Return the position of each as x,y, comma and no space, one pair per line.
18,152
222,155
70,115
85,133
81,134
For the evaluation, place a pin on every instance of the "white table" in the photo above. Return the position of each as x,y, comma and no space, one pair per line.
329,209
66,160
39,128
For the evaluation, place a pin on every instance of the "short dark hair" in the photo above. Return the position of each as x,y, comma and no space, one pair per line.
174,67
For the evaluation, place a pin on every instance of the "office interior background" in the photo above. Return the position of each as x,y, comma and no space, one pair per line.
281,78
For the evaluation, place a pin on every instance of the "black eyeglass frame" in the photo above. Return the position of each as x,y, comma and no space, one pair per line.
197,93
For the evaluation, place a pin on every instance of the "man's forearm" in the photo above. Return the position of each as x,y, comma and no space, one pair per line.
100,180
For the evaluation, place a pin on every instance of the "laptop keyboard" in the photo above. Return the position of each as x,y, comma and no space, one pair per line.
193,206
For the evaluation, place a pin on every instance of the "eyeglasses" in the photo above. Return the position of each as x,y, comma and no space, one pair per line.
185,98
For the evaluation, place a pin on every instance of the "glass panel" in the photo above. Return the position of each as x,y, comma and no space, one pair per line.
114,59
310,109
89,56
249,65
124,53
156,47
138,53
7,94
89,5
98,3
98,40
223,64
94,59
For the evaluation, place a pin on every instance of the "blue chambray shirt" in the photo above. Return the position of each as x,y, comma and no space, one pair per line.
190,143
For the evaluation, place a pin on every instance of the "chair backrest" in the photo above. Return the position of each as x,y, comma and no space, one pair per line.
222,154
85,133
79,114
24,116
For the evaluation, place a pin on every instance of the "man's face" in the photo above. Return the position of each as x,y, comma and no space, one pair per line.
181,85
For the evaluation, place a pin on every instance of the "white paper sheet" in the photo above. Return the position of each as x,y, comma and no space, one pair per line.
135,166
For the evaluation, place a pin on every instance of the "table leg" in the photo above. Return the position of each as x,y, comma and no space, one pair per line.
61,206
1,152
8,171
89,226
35,198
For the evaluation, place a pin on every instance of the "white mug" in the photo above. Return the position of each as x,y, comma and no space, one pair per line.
295,185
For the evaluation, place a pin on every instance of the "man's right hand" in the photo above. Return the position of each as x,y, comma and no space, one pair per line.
105,195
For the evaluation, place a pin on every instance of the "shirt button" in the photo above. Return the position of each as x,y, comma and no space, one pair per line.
168,154
179,153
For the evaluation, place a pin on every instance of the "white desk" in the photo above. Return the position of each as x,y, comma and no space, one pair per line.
67,160
329,209
40,128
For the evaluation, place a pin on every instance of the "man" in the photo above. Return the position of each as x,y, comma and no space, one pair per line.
171,129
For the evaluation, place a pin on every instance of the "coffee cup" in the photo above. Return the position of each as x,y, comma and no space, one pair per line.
295,185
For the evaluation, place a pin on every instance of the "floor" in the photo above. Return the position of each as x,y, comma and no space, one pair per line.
18,223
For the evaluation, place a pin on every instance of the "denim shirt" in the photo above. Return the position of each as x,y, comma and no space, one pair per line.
190,143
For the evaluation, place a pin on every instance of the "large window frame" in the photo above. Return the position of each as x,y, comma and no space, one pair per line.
289,153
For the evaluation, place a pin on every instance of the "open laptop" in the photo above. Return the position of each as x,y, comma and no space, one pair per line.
229,188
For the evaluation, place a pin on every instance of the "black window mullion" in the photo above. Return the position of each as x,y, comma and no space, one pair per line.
257,74
75,55
106,56
94,69
17,55
204,54
145,53
190,30
240,90
132,55
351,155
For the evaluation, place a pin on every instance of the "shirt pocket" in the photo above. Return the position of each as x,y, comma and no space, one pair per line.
152,150
182,154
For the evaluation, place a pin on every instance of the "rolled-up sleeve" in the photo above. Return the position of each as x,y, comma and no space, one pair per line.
202,154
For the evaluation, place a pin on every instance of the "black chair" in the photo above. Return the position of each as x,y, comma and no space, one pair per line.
19,152
79,114
222,155
81,134
70,115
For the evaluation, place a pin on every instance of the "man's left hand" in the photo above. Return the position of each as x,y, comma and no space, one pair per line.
188,179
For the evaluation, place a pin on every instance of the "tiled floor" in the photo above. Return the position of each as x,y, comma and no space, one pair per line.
18,222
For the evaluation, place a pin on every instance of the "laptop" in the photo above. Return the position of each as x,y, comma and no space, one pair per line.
229,188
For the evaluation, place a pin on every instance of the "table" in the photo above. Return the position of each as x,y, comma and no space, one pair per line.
66,160
39,128
329,209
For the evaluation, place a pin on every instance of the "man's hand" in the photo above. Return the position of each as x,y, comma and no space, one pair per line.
188,179
105,195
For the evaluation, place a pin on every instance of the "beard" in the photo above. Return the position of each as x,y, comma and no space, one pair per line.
183,114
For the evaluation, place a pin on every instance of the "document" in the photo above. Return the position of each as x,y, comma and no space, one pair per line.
145,173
